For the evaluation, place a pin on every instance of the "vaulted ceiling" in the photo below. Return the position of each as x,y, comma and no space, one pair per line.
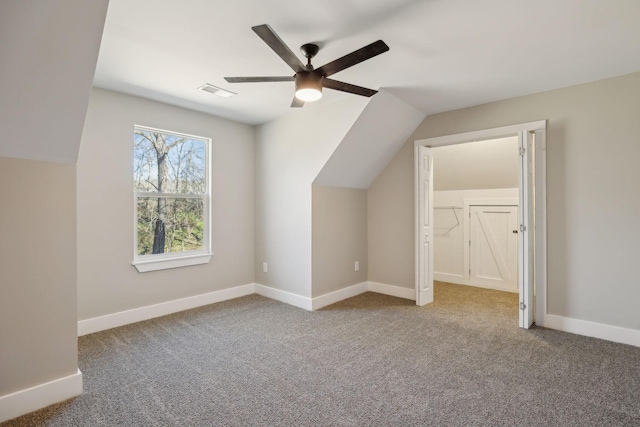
444,54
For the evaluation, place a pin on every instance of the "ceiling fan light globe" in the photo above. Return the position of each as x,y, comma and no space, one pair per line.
308,86
308,94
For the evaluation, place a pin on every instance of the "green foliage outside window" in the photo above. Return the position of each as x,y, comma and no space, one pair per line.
171,190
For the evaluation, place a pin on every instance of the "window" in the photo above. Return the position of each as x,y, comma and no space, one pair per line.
171,199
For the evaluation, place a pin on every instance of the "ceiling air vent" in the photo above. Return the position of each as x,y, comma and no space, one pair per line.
217,90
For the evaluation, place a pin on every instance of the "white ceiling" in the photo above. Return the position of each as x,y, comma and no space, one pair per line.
444,54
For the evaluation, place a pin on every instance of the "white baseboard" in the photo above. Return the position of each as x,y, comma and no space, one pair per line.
495,288
394,291
284,296
460,280
592,329
334,297
339,295
449,278
30,399
96,324
101,323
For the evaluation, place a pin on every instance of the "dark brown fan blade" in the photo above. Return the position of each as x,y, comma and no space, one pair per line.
259,79
296,103
356,57
269,36
346,87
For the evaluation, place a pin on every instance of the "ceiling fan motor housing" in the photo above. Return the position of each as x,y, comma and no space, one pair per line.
308,81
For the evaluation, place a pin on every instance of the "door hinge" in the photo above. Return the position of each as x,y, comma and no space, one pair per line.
522,306
523,228
522,151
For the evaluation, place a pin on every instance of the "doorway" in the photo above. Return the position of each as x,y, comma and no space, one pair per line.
530,227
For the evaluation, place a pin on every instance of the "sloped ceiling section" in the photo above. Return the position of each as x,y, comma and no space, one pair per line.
375,137
48,53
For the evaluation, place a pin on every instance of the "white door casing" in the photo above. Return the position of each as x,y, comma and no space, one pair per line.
525,240
540,224
493,247
424,223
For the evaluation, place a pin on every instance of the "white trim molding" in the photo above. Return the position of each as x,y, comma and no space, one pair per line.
481,135
171,262
592,329
284,296
339,295
30,399
96,324
392,290
457,279
101,323
360,288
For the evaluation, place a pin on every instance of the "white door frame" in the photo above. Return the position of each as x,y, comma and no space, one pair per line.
540,208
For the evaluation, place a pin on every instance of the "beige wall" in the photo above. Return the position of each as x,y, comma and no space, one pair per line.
375,137
476,166
290,152
390,222
593,183
320,144
38,338
48,54
107,282
339,238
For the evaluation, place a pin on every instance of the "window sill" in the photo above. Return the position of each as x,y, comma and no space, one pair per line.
174,262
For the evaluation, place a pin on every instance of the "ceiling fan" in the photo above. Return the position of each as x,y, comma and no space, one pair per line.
309,81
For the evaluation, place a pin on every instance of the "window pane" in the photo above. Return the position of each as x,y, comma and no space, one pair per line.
169,225
167,163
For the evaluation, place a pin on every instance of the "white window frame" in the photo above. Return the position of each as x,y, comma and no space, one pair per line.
154,262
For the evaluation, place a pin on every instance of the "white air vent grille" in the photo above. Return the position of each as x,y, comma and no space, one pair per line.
217,90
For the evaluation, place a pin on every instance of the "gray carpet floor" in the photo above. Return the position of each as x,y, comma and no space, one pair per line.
372,360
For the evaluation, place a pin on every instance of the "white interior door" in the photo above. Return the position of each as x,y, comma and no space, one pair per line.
493,247
424,291
525,241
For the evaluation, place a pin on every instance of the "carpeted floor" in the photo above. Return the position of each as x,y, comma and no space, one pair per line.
372,360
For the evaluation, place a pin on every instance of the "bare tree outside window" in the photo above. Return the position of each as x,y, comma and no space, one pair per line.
170,183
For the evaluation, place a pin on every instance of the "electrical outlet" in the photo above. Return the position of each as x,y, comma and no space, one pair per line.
356,266
265,267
